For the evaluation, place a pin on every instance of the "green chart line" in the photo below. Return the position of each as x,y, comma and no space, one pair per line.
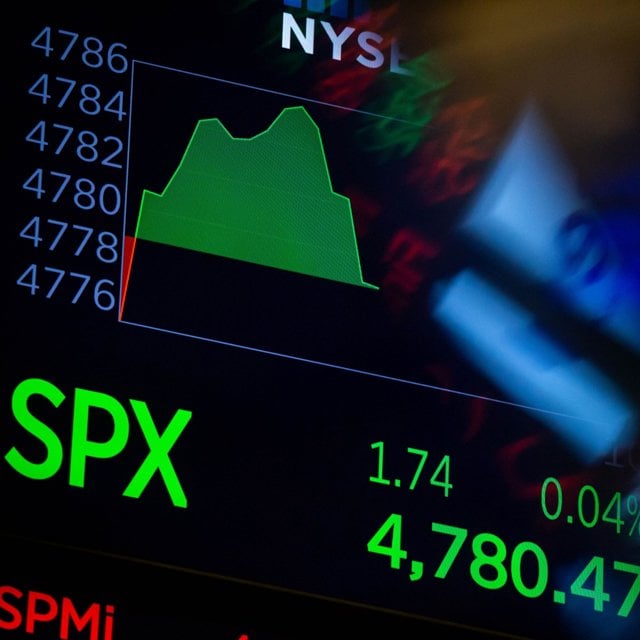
267,200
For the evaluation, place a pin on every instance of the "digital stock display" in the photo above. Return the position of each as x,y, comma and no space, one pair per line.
322,319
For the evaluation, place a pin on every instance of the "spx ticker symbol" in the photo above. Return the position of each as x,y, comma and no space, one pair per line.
86,404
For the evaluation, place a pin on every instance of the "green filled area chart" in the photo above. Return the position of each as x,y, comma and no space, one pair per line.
266,200
237,231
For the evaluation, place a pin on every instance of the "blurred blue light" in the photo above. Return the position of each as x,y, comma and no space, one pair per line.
531,214
568,394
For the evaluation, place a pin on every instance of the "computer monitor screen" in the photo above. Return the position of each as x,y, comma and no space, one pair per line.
321,316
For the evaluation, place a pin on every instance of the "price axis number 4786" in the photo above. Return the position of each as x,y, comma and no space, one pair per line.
61,44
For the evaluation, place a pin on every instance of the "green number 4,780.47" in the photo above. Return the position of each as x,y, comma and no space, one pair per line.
494,565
